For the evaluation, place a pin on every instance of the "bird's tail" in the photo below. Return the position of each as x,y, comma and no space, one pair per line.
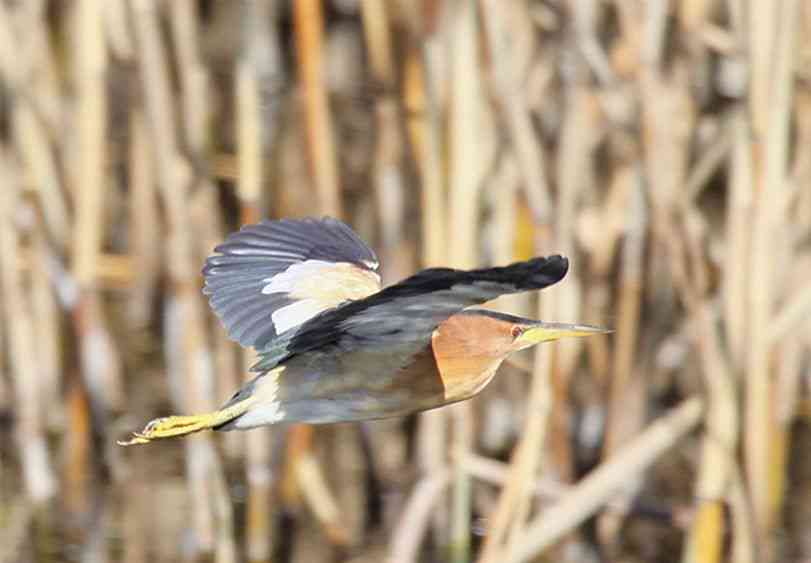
174,426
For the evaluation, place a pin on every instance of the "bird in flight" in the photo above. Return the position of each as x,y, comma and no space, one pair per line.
333,346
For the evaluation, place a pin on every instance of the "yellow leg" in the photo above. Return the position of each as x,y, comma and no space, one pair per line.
173,426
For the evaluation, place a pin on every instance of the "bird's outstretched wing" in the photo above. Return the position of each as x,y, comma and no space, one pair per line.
269,278
410,310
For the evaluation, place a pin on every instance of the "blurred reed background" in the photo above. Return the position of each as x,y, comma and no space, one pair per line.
662,145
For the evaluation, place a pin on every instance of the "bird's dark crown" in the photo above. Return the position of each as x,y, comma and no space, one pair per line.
498,315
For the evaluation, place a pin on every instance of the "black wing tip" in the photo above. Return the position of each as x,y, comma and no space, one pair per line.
539,272
554,263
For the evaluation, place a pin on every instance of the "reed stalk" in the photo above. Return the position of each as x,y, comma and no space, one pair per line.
507,80
254,63
465,183
38,477
416,517
425,142
101,366
593,490
657,144
388,180
189,359
309,29
47,329
626,406
41,100
185,21
144,233
308,20
774,36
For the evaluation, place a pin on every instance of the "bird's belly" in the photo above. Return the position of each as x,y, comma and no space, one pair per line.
359,387
366,388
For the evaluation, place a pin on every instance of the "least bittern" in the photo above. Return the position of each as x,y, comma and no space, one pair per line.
335,347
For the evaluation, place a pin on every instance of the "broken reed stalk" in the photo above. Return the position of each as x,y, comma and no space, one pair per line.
594,490
38,477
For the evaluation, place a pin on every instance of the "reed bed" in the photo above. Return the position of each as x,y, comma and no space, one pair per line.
660,145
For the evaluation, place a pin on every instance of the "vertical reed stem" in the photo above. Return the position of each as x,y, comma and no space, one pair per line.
465,182
309,30
774,39
255,61
39,480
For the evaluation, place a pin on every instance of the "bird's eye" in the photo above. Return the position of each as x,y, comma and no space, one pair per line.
517,331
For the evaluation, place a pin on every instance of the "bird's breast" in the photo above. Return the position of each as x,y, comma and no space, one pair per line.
373,384
464,369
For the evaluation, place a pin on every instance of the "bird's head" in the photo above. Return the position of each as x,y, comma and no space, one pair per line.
526,332
470,346
503,334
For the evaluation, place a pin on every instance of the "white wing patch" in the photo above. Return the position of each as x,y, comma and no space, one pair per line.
287,281
296,313
317,285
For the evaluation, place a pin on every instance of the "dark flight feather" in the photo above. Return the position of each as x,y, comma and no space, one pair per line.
410,310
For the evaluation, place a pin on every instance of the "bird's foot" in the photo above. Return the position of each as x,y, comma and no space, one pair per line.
174,426
171,427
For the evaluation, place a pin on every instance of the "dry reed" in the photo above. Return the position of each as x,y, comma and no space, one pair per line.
659,145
